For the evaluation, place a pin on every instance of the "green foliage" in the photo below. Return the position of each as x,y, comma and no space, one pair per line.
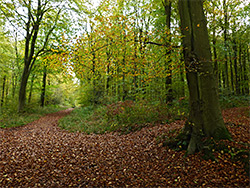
10,118
234,101
88,119
130,116
120,116
89,95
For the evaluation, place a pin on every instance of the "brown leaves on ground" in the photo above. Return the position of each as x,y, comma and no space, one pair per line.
41,154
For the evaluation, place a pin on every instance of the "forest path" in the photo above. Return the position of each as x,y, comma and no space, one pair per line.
40,154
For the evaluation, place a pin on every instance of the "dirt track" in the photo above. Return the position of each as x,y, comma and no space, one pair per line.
40,154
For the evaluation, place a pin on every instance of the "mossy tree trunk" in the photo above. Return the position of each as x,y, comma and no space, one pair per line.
205,119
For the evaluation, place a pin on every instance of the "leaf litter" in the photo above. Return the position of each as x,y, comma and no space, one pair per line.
40,154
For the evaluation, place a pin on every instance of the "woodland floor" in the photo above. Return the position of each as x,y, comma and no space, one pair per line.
40,154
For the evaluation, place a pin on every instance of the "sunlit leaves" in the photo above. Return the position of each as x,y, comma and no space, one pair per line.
117,45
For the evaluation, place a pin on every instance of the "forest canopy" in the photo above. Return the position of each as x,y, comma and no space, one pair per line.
113,49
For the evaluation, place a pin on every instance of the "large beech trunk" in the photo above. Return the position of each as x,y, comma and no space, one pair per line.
205,119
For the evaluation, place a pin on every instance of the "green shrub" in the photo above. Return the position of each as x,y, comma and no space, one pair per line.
121,116
88,119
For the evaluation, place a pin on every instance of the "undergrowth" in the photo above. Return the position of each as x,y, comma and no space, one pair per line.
234,101
128,116
10,118
85,119
125,117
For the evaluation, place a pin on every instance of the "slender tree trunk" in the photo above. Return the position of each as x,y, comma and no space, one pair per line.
3,89
245,72
8,84
108,79
205,114
226,25
14,75
108,54
31,88
14,80
168,80
117,81
135,66
232,74
43,93
237,88
240,67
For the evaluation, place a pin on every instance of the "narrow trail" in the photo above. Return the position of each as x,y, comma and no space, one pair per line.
40,154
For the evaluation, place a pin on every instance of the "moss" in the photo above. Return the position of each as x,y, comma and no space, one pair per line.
221,133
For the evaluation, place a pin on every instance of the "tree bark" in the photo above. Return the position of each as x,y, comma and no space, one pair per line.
31,54
43,86
216,67
168,80
226,25
31,88
240,70
205,115
3,89
237,88
22,90
245,72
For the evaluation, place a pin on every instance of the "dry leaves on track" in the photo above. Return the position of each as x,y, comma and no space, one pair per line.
41,154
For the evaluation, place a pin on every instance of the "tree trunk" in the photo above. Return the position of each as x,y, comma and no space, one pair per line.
3,89
22,90
32,26
245,72
31,88
232,74
237,88
168,80
14,83
43,86
205,115
226,77
240,69
216,67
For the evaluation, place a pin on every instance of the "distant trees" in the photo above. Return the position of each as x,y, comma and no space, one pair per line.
128,57
120,50
37,21
8,68
228,35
